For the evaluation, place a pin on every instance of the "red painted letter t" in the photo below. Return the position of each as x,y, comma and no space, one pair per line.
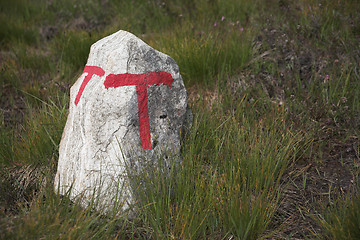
142,82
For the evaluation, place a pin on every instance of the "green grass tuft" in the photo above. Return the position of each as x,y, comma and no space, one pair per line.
342,219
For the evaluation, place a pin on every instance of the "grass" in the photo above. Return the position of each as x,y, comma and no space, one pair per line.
273,152
228,181
341,220
51,217
208,55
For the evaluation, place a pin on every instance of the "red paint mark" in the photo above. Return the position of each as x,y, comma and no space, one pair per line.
141,81
91,70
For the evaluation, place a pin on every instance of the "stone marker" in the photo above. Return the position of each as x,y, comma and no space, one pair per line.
127,109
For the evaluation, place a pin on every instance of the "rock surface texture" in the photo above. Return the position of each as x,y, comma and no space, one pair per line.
127,109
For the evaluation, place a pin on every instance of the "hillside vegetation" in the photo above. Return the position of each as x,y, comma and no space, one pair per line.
274,86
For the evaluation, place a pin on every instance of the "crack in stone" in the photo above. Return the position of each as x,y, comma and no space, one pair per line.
104,149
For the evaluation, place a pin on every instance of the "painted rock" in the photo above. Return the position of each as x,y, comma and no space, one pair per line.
127,110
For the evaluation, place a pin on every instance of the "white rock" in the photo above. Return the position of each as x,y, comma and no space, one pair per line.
126,88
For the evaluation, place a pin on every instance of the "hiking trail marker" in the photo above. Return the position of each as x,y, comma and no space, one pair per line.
127,110
141,81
